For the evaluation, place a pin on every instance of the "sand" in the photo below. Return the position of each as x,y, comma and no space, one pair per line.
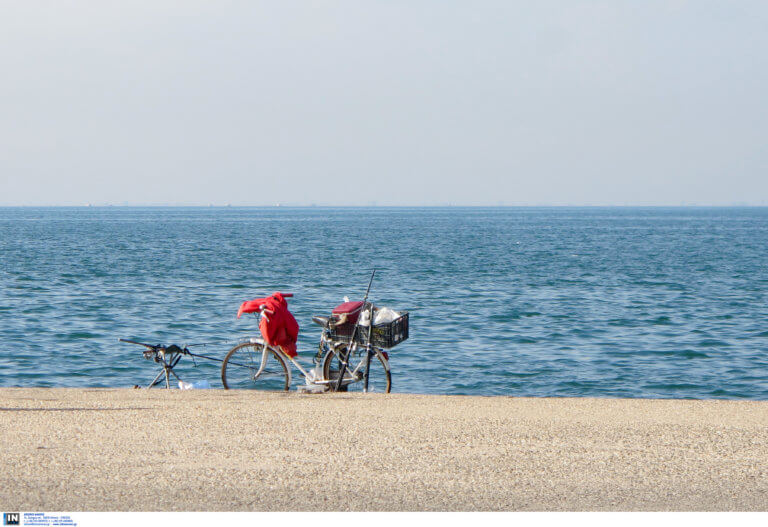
159,450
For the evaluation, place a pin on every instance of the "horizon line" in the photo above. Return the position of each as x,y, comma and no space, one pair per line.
385,206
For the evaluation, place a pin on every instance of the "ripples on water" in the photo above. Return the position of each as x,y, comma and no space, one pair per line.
614,302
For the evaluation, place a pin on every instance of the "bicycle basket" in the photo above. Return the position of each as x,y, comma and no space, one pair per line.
387,335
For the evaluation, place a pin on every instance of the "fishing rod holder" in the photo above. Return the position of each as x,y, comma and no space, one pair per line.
167,356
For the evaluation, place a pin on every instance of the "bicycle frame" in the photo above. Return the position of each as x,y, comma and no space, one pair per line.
266,348
310,379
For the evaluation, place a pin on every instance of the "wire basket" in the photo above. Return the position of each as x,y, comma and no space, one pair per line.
386,335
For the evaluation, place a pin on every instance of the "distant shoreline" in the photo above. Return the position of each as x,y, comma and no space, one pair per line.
354,207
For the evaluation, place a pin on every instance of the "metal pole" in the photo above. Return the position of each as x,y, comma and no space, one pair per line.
157,379
368,351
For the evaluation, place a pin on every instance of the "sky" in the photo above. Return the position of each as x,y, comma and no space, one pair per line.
389,102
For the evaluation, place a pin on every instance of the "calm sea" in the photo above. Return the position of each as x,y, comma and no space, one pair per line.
598,302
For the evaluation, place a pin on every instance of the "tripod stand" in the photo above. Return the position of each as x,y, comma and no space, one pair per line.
167,356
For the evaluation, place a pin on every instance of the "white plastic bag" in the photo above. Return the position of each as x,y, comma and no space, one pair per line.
382,315
199,385
385,315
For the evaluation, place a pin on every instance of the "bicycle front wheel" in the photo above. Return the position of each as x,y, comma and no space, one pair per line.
240,369
379,378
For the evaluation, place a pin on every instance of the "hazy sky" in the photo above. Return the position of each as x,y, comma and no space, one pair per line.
406,103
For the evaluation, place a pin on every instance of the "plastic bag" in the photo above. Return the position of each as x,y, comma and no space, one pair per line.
382,315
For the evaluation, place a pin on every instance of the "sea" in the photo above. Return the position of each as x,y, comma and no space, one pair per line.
543,302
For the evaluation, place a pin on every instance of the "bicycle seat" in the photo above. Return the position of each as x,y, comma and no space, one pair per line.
320,321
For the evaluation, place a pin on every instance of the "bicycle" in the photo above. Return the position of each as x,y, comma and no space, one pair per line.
343,362
257,365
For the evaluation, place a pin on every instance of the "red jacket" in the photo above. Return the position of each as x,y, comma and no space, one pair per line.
278,327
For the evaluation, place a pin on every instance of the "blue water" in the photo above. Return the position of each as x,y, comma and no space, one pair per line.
599,302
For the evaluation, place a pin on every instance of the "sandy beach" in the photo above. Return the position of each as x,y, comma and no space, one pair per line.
158,450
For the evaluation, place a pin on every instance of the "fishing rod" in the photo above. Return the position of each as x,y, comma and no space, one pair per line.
173,348
343,368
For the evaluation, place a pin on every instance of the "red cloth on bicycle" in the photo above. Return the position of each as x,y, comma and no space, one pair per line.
278,328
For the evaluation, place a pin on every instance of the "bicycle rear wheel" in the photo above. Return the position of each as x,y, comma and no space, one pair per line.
242,363
379,378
